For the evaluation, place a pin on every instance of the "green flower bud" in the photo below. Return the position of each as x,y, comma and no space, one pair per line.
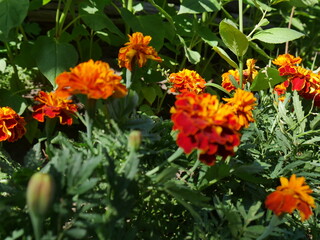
40,193
134,140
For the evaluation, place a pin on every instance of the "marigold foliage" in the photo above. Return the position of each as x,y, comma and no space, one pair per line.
94,79
242,104
292,194
12,126
52,106
137,51
248,75
205,124
187,81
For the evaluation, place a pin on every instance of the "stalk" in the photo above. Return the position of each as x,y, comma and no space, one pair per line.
241,30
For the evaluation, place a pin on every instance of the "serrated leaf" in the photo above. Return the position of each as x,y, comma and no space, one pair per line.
277,35
53,58
225,56
298,110
199,6
235,40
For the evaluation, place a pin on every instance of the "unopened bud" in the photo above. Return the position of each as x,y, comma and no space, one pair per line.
134,140
40,193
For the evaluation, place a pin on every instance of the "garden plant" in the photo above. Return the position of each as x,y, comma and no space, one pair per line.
159,119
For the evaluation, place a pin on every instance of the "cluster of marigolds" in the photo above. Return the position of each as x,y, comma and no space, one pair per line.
204,123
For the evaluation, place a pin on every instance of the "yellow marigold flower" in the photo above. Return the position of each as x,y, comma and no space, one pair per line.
292,194
137,51
242,104
94,79
187,81
286,60
248,75
53,106
11,125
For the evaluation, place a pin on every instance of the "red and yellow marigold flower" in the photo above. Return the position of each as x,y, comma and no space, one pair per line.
137,51
280,89
248,75
242,104
187,81
205,124
304,81
12,126
52,106
292,194
94,79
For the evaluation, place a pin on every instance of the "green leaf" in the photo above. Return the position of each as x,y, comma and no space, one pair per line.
12,14
235,40
259,50
225,56
199,6
193,56
19,104
298,110
77,233
277,35
266,78
208,36
149,93
53,58
303,3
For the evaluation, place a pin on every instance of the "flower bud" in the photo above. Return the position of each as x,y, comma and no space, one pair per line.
40,193
134,140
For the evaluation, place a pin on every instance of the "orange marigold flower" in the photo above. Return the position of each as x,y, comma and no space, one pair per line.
94,79
286,60
292,194
280,89
205,124
287,64
138,51
52,106
12,126
187,81
248,75
242,104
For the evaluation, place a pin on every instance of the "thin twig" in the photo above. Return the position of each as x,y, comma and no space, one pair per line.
289,26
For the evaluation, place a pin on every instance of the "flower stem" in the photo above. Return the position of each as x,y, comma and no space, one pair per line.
289,26
241,30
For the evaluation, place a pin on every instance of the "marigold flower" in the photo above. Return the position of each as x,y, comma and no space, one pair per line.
205,124
287,64
52,106
280,89
94,79
286,60
242,104
248,75
137,51
187,81
12,126
292,194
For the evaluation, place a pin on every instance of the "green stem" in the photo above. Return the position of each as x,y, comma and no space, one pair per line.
275,221
161,102
37,223
241,71
57,18
130,6
63,17
240,15
15,83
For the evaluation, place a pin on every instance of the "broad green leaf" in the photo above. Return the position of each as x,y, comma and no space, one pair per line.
12,14
303,3
235,40
53,58
208,36
19,104
199,6
266,78
277,35
44,2
259,50
225,56
260,5
193,56
149,94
